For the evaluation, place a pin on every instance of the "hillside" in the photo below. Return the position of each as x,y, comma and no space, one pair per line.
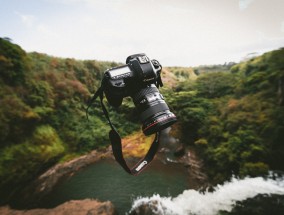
236,118
42,113
233,114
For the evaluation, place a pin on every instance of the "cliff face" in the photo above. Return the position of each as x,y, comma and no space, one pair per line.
75,207
45,182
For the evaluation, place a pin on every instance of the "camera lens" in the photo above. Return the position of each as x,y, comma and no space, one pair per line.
154,111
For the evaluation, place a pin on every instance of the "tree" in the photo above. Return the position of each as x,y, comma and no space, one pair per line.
14,63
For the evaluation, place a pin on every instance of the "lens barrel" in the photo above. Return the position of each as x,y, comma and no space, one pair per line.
154,111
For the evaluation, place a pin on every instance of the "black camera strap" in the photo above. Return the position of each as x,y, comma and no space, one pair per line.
115,140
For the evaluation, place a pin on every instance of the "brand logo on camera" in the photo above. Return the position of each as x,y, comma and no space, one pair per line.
141,165
148,79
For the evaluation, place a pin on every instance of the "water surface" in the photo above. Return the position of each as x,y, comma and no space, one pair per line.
106,180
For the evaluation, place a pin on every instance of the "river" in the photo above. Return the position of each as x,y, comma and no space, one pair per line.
106,180
167,186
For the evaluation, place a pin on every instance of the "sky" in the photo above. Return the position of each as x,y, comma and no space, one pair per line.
175,32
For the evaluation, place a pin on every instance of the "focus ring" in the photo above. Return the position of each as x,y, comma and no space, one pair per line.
153,110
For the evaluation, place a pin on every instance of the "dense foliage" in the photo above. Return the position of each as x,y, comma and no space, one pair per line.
236,118
233,113
42,113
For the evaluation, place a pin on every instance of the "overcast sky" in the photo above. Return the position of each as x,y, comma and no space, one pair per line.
175,32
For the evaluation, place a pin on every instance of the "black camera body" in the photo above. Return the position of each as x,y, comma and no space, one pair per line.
140,79
125,80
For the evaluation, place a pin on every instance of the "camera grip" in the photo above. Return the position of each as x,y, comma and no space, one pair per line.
113,100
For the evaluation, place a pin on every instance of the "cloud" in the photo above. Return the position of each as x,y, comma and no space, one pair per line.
243,4
33,24
183,32
27,19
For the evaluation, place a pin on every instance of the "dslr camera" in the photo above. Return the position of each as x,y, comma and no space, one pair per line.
140,79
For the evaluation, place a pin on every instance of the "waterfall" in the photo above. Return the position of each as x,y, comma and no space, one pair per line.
223,198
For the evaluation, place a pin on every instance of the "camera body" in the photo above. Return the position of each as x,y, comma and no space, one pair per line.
140,79
125,80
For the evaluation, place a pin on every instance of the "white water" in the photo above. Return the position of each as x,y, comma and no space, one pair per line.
209,203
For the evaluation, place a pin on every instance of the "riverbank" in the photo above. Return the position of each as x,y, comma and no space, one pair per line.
74,207
134,146
44,184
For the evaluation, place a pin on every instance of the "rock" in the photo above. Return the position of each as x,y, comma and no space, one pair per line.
194,164
179,151
74,207
152,207
47,180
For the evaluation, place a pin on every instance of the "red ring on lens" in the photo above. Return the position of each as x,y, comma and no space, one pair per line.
162,121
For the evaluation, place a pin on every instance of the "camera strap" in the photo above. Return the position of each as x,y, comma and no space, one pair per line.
115,140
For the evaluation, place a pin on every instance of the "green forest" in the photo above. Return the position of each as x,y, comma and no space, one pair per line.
233,114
